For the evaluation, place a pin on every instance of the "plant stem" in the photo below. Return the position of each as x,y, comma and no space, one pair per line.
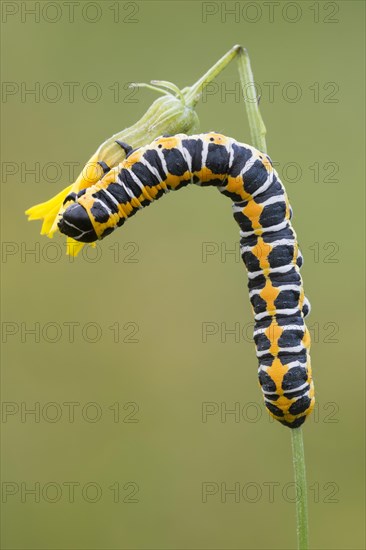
298,458
256,124
193,93
258,132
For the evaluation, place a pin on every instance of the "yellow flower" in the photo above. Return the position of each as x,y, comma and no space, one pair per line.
51,210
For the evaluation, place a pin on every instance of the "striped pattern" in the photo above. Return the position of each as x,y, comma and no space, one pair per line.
268,244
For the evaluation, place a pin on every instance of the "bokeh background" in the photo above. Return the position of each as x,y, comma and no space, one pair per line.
131,445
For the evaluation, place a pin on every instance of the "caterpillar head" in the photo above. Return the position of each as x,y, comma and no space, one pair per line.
75,222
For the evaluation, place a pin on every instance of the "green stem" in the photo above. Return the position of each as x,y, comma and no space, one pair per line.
298,458
193,93
256,124
258,132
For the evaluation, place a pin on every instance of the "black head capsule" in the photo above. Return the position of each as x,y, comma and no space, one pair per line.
76,223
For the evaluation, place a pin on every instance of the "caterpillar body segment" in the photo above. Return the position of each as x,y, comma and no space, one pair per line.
268,243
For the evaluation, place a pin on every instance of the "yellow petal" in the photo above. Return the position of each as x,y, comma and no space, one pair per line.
41,210
51,210
73,247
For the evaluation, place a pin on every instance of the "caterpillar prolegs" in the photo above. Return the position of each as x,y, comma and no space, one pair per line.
268,244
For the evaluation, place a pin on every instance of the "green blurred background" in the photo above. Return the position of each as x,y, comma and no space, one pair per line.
141,398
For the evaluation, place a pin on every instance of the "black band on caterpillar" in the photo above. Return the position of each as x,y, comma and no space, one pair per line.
268,244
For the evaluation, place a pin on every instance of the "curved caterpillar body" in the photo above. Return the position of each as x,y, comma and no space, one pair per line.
268,244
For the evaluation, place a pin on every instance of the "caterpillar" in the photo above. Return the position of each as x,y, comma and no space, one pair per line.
268,244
